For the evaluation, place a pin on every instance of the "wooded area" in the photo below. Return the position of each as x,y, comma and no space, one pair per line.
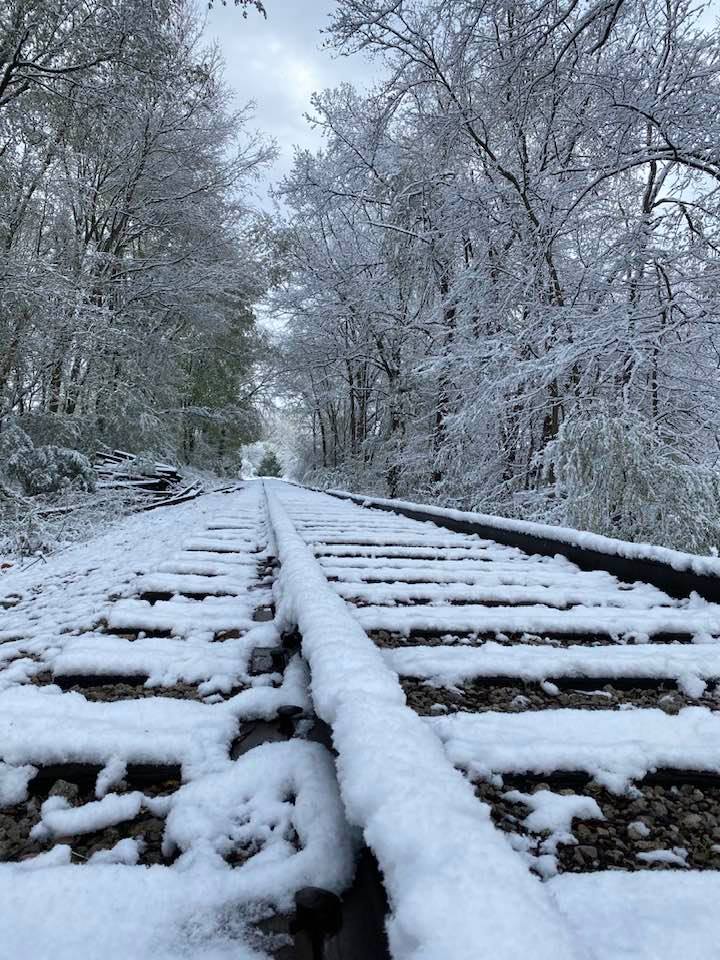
505,266
129,260
494,287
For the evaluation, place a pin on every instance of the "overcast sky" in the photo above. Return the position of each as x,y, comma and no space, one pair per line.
279,63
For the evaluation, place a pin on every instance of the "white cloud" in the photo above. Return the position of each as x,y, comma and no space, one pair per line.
279,63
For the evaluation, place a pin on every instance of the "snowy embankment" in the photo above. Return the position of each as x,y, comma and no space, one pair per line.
457,891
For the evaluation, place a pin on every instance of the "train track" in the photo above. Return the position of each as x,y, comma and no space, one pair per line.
301,727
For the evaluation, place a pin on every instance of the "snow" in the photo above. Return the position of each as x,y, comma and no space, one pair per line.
57,856
71,589
281,798
615,747
209,564
397,785
641,916
259,802
398,780
244,802
450,666
702,621
677,857
195,583
443,582
125,851
447,549
118,911
112,773
554,811
217,544
59,819
216,666
43,726
545,572
643,597
13,782
437,540
709,566
181,617
61,728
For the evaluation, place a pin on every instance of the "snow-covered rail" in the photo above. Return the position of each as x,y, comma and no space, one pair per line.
213,716
154,798
581,708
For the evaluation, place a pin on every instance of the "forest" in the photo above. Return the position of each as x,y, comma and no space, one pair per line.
494,287
129,258
505,265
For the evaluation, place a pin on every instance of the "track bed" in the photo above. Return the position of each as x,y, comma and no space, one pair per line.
327,731
583,709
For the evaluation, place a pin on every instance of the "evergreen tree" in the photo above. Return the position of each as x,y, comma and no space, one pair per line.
270,466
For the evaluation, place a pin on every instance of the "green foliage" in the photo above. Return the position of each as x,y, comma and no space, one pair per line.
46,469
617,476
218,418
270,466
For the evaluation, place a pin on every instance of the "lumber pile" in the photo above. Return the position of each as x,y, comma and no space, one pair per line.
155,484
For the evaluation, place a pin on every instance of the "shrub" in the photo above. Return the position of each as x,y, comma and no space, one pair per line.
618,477
270,466
46,469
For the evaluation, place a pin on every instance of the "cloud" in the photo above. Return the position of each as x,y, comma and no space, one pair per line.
279,63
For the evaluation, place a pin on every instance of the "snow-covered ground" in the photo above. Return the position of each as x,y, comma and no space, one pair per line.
411,808
279,801
170,596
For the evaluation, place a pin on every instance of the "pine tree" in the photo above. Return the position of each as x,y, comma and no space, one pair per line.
270,466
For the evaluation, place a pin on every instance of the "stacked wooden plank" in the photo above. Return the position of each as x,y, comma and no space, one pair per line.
158,484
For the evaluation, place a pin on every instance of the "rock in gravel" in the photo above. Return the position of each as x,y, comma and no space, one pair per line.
63,788
646,845
669,704
588,851
693,821
638,830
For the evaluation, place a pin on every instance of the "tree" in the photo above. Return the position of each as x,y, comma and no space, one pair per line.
128,264
518,228
244,4
270,466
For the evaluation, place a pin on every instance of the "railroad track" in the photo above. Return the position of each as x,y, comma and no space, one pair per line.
210,736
